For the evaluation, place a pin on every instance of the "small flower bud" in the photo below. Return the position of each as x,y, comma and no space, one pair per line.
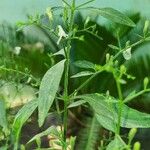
107,57
123,69
132,134
146,26
146,81
49,13
86,21
136,146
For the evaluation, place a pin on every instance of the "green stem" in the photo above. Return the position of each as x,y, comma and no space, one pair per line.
136,95
19,72
67,64
85,3
120,105
65,101
84,84
133,45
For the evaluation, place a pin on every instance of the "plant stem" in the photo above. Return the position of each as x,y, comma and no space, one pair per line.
136,95
67,64
65,100
84,83
120,105
17,71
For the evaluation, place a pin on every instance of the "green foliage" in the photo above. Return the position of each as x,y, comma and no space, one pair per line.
21,117
82,74
3,118
48,88
84,64
49,131
107,109
116,16
88,136
116,144
108,60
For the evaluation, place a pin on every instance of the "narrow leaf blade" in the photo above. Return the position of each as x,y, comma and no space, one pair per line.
116,16
22,116
77,103
50,130
107,113
84,64
3,119
48,88
82,74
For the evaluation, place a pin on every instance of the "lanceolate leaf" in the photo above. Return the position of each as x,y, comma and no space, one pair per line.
82,74
22,116
77,103
3,120
50,130
84,64
107,113
116,16
60,52
48,88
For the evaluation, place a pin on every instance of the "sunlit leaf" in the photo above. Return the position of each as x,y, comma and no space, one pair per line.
48,88
82,74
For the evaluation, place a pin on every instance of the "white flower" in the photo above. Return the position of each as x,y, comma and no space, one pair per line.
61,34
17,50
127,54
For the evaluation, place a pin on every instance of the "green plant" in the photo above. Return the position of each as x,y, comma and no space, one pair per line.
111,113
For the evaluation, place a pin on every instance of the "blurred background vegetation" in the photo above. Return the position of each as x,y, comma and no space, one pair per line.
37,44
17,10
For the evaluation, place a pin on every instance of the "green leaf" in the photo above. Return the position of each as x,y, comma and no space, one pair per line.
3,119
84,64
48,88
116,144
107,113
60,52
82,74
89,136
77,103
50,130
22,116
113,47
116,16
